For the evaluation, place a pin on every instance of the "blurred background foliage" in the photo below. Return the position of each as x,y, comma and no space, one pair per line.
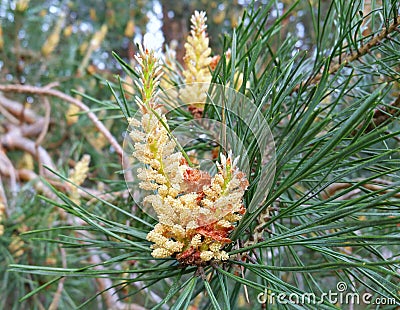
70,42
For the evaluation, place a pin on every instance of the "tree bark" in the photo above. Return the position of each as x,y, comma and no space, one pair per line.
176,28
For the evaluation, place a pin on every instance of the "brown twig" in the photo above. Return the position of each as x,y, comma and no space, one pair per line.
9,117
382,115
46,122
335,187
60,287
259,230
18,109
6,166
56,93
43,132
51,85
350,194
3,197
104,196
32,130
14,140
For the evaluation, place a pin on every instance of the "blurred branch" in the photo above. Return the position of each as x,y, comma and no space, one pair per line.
27,54
43,133
8,116
14,140
29,175
56,300
32,130
18,109
103,196
55,93
335,187
6,166
382,115
3,197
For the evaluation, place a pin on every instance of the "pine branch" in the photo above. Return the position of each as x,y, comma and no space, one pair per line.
318,226
337,64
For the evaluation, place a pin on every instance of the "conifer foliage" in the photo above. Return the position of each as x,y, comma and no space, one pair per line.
169,230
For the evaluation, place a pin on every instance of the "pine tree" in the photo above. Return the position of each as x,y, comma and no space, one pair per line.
327,217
